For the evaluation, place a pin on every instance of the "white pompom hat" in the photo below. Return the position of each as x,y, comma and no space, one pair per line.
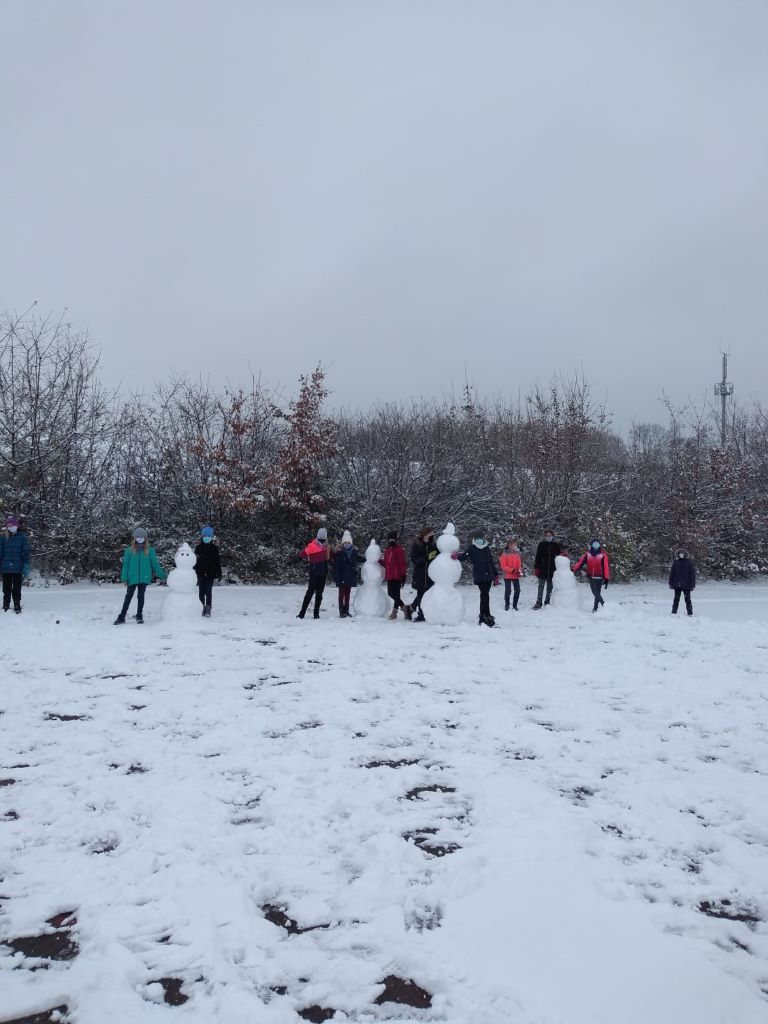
346,537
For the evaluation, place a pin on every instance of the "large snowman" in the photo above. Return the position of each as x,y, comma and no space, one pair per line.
370,599
443,602
182,602
567,593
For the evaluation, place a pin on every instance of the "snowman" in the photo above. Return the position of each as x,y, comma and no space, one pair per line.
182,601
370,599
443,602
567,593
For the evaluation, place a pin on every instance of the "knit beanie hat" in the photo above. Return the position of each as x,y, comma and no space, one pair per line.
346,537
11,521
322,533
392,535
207,531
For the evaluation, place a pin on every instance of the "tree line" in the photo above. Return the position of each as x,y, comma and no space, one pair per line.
82,466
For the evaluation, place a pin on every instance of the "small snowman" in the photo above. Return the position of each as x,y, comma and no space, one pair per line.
566,591
182,601
370,599
443,602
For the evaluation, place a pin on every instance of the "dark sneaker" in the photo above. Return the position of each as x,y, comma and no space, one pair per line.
207,611
300,615
316,615
119,621
140,620
17,610
537,606
408,611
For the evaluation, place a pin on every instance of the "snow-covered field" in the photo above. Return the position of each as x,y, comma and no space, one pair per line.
561,821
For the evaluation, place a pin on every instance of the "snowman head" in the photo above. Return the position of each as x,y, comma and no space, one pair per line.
373,552
448,541
185,557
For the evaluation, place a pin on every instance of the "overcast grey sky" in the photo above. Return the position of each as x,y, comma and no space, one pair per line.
407,190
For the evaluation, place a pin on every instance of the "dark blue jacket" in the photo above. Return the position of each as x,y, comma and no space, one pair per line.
484,568
682,575
14,552
345,565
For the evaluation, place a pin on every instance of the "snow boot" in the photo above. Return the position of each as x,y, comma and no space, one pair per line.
420,616
207,612
393,614
408,612
489,621
316,615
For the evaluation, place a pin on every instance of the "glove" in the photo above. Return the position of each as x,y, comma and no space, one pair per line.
432,554
455,555
25,571
403,581
496,581
537,572
219,577
605,584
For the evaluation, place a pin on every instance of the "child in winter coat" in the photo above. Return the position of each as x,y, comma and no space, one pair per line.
511,562
682,579
485,573
318,556
345,571
395,574
14,563
544,566
423,551
598,570
140,564
207,567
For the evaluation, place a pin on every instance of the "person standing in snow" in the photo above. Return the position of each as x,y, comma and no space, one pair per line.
511,562
317,554
395,574
595,561
682,579
345,571
140,564
485,573
14,563
544,567
423,551
207,568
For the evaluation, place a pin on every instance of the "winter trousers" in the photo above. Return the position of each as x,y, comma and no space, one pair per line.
393,589
345,592
485,599
141,587
596,585
315,589
205,590
11,589
545,581
420,592
509,585
676,601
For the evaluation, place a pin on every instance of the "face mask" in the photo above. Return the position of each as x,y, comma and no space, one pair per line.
595,546
479,542
12,529
347,545
207,540
681,554
548,538
141,541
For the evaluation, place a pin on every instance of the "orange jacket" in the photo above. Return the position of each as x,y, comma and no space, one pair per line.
511,565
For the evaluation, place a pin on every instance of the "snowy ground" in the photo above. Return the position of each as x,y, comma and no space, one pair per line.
562,821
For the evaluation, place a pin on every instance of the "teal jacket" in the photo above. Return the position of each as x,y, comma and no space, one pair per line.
139,567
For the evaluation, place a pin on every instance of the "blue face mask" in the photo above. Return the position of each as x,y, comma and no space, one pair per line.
595,545
207,540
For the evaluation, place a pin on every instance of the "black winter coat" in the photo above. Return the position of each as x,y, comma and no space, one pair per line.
420,559
345,563
484,568
682,575
208,564
546,553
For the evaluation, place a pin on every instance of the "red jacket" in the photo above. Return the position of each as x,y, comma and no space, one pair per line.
395,565
511,565
597,565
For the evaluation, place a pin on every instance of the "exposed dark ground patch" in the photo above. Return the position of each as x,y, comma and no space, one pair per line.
7,782
402,763
405,992
725,910
422,837
316,1014
54,716
46,1017
415,793
172,993
10,816
51,945
277,915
